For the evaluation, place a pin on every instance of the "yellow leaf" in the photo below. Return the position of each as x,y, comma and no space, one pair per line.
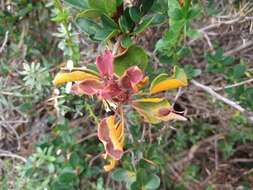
167,85
149,108
152,100
62,78
112,164
111,134
162,82
156,110
141,84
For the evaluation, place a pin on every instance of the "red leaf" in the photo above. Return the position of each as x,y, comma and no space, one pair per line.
88,87
111,134
131,78
105,64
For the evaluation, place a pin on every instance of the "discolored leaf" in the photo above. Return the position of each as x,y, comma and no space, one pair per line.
131,77
162,82
105,64
111,134
156,110
89,87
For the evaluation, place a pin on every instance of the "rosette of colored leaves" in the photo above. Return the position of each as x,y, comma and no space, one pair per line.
119,90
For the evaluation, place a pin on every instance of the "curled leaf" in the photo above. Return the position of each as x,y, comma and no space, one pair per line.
142,83
131,77
112,164
156,110
162,82
62,78
111,134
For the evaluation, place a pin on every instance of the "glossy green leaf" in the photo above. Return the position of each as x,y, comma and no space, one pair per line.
135,14
172,5
95,31
134,56
90,13
126,42
88,26
152,183
106,6
79,4
122,175
125,22
119,174
108,23
146,5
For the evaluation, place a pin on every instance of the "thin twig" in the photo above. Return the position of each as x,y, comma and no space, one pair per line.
218,96
233,85
11,155
87,137
223,99
5,41
236,50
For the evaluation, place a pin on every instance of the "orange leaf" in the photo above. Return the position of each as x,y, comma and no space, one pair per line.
111,134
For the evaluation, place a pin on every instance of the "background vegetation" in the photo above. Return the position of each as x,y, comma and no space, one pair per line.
48,136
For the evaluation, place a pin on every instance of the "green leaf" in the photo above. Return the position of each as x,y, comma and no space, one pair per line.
239,70
106,6
193,13
120,174
153,182
95,31
125,22
90,13
135,14
172,5
68,176
143,25
191,72
177,14
193,34
61,16
108,23
87,25
79,4
126,42
134,56
146,5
